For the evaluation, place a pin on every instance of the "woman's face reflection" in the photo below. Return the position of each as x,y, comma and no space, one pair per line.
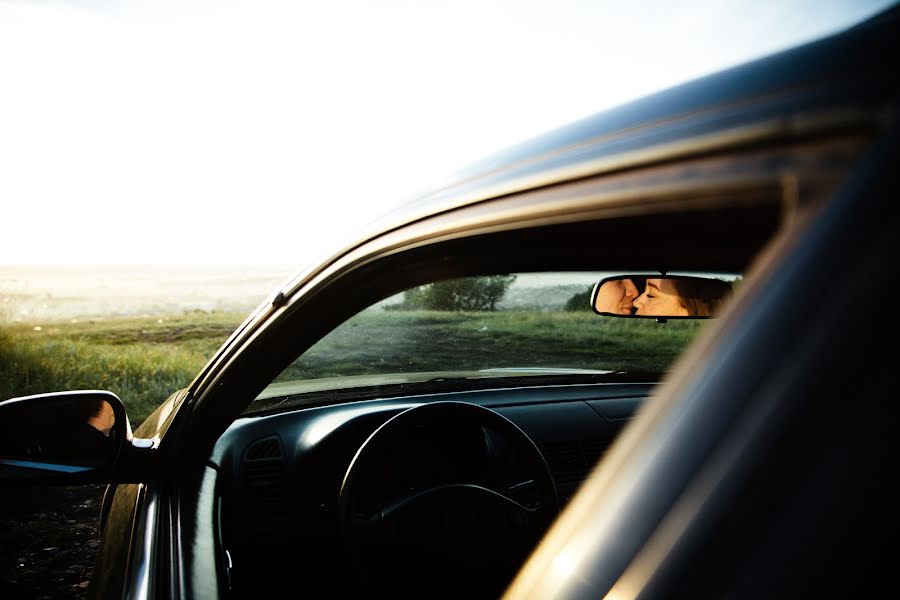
660,299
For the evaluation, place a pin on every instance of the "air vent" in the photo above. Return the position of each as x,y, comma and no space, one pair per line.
570,462
262,449
264,482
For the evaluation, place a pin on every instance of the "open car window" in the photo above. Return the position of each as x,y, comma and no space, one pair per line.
477,332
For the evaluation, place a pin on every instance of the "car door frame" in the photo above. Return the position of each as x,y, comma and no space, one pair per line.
709,470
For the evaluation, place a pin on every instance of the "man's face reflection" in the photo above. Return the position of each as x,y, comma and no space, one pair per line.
616,297
104,420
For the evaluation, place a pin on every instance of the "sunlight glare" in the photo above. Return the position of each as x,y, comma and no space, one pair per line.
244,133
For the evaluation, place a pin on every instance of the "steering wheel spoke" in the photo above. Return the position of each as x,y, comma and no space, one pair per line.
463,523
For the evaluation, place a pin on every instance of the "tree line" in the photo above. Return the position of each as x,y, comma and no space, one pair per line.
466,294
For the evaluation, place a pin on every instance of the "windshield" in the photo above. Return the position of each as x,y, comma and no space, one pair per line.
478,332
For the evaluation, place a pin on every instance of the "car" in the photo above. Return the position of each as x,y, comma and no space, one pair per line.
419,415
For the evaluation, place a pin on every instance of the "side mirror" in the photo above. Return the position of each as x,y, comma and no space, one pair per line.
660,297
64,437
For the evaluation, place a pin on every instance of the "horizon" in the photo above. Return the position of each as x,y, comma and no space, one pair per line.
66,293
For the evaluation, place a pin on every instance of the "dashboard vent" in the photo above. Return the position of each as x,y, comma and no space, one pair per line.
264,481
570,462
266,448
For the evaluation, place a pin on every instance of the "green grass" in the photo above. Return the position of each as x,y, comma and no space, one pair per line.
376,342
142,360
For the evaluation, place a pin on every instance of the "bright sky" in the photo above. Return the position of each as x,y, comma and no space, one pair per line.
260,132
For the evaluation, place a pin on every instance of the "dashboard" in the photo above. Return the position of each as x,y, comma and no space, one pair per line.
280,478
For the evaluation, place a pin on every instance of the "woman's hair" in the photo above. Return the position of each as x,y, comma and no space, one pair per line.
702,297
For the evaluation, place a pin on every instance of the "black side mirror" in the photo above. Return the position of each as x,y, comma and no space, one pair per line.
63,437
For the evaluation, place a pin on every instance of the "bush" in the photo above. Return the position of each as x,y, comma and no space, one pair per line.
468,294
580,301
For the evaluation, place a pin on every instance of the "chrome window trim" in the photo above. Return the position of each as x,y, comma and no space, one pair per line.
142,563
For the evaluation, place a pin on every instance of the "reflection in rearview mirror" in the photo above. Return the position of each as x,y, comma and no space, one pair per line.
670,296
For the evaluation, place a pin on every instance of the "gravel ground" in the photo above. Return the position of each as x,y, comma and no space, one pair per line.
48,540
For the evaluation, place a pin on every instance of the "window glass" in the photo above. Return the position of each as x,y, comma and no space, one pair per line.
472,332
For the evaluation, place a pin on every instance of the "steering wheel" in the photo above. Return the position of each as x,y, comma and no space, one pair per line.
447,495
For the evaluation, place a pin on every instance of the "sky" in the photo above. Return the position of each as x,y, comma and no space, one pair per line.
271,132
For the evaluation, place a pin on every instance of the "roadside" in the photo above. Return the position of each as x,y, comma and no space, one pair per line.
48,540
140,331
49,536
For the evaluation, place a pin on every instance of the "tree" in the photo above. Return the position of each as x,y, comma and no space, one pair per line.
467,294
580,301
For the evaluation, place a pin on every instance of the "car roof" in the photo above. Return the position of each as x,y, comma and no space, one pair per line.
823,87
817,77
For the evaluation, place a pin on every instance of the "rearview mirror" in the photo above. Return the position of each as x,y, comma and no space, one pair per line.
663,296
63,437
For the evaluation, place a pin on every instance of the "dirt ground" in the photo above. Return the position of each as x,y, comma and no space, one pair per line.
48,540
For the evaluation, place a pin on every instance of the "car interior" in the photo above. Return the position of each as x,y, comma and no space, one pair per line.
284,484
354,496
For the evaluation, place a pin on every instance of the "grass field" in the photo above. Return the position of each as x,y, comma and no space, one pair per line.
376,342
143,360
